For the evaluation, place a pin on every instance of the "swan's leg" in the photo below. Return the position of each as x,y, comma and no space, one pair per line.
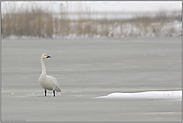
45,92
54,93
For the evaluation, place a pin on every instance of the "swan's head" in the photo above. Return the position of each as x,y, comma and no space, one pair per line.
45,56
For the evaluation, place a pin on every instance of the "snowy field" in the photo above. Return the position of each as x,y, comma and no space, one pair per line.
125,79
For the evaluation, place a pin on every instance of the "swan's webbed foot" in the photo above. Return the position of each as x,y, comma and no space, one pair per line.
54,93
45,92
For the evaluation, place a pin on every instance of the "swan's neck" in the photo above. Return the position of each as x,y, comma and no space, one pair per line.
43,67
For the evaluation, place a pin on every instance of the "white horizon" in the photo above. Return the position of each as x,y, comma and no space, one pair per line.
115,6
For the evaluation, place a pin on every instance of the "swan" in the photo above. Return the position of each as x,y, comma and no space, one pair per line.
46,81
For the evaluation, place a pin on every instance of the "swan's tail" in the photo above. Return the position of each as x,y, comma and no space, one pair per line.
58,89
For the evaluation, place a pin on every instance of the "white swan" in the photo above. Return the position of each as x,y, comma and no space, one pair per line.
46,81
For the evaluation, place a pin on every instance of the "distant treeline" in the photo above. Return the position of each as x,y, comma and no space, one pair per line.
40,23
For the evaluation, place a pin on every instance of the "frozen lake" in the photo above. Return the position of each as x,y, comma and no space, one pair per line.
90,68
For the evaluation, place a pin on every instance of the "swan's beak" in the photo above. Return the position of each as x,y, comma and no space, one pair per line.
47,56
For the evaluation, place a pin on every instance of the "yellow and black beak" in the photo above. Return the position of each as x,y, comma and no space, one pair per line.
47,56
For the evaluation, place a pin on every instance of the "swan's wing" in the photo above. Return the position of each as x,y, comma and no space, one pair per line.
54,80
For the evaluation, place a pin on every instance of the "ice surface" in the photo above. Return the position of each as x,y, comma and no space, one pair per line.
91,68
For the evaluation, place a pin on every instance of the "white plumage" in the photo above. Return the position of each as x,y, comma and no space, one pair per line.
46,81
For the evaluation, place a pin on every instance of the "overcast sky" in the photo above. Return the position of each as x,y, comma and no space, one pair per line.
107,5
138,6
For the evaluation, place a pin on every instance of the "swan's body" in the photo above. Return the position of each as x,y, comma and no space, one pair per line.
46,81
